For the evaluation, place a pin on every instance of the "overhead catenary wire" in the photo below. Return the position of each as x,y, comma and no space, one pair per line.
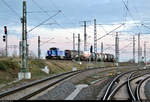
140,17
145,26
130,14
110,32
103,28
125,46
40,11
125,12
44,21
49,15
138,12
8,6
46,41
61,12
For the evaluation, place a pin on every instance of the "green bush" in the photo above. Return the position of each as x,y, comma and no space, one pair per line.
6,64
3,66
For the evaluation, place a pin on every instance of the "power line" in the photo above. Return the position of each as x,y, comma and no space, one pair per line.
46,41
37,5
16,14
103,28
53,4
136,10
145,26
126,46
110,32
48,14
60,25
40,11
44,21
125,15
61,12
130,14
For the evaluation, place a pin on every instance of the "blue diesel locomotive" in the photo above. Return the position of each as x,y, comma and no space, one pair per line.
55,53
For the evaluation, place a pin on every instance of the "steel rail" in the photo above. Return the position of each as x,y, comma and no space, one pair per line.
54,83
44,88
138,88
112,83
3,94
129,87
15,90
118,87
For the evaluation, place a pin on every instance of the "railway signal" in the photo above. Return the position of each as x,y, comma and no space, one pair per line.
91,49
4,38
5,29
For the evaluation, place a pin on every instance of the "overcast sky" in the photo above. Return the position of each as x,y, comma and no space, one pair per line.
68,20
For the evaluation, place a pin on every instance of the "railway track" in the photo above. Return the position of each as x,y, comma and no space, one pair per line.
33,89
109,88
129,88
138,95
30,90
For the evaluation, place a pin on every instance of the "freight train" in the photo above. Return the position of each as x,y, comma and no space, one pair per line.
56,54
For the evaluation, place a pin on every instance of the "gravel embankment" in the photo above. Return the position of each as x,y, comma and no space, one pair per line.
92,92
83,75
60,92
63,90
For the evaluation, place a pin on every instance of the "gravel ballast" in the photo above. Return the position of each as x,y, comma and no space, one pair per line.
64,89
147,89
92,92
60,92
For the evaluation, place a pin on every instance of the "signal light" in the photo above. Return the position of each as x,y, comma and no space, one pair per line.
4,38
5,29
91,49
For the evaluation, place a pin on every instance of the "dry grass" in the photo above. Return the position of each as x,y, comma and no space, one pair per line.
9,68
